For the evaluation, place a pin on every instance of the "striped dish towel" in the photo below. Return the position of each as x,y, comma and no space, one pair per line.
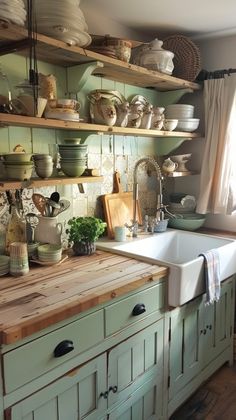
212,275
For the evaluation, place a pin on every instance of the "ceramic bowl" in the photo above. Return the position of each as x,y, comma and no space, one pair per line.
72,141
72,169
179,111
44,171
49,252
188,221
170,124
188,124
19,172
17,157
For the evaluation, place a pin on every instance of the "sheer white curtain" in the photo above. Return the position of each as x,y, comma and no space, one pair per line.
218,174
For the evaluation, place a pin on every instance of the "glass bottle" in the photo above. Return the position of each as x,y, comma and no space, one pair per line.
16,228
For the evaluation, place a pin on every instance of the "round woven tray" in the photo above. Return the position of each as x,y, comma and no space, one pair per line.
187,60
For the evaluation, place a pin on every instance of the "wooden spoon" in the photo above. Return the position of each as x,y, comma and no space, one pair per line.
40,203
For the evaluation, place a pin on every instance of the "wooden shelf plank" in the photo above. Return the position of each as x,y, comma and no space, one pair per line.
60,53
54,181
34,122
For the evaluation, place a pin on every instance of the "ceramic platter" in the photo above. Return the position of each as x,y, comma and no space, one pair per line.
139,99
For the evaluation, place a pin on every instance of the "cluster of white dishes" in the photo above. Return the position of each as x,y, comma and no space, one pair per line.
63,20
63,109
4,264
181,203
13,11
180,161
184,114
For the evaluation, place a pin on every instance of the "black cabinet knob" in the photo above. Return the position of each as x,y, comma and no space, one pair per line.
139,309
104,394
113,389
63,348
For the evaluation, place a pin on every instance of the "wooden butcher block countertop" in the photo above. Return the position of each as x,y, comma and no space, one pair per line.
47,295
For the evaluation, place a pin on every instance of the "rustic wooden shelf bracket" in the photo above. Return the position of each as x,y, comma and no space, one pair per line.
85,71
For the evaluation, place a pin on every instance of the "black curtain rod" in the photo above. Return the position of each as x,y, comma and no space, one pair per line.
217,74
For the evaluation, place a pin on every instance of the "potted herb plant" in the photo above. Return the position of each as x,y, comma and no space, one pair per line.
83,232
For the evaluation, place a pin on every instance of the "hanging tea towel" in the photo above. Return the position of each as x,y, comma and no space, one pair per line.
212,275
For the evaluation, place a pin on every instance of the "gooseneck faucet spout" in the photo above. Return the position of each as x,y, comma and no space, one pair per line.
160,212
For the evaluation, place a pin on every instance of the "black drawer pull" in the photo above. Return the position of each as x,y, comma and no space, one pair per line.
139,309
63,348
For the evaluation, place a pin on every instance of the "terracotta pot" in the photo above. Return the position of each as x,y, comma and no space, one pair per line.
84,248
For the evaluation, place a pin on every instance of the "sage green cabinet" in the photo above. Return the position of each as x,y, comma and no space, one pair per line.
200,336
72,397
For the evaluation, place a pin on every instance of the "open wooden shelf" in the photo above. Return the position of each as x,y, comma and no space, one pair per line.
34,122
13,39
54,181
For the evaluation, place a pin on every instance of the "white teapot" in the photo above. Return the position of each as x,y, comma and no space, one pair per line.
169,166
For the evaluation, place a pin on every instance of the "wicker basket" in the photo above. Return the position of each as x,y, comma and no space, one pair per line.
187,60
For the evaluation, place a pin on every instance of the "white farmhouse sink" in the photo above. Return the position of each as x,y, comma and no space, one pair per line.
179,250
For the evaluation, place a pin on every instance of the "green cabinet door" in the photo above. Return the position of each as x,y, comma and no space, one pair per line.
134,361
216,325
184,356
75,396
141,405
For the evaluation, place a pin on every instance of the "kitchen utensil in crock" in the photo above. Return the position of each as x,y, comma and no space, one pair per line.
63,205
40,202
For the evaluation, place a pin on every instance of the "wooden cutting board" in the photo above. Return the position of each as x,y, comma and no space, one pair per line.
118,207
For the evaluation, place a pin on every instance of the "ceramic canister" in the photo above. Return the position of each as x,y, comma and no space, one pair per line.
19,265
120,233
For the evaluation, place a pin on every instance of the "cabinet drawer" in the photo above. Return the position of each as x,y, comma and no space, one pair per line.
126,312
37,357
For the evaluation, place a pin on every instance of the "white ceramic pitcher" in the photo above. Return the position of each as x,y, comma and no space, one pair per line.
48,230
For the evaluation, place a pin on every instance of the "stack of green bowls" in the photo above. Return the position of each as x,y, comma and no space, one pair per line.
74,158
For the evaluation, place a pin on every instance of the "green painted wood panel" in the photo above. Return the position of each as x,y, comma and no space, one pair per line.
119,315
74,396
216,324
132,362
184,345
36,358
141,405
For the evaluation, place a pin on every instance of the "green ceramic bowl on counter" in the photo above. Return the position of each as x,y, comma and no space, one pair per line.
188,221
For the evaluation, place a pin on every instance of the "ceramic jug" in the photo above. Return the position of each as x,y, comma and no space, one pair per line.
123,112
135,116
146,120
48,230
169,165
158,118
102,108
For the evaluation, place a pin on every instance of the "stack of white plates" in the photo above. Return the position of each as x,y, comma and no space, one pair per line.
4,264
64,20
184,114
179,111
13,11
